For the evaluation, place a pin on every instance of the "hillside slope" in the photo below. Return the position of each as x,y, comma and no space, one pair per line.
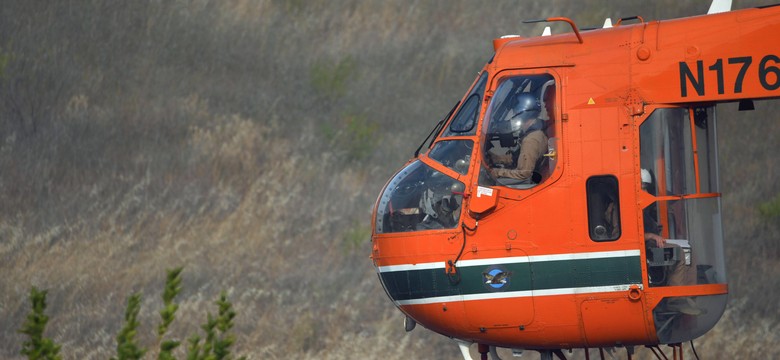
247,141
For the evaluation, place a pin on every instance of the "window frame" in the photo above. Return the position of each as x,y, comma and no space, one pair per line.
553,129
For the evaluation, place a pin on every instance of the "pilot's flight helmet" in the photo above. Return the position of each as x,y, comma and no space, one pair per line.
521,120
527,107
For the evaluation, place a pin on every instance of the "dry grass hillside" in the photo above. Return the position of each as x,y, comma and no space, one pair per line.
247,141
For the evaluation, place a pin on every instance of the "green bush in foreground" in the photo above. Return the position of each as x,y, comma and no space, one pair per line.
770,209
167,314
215,346
37,346
126,346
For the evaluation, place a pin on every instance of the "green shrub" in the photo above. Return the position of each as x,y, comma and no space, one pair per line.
4,59
215,346
168,313
357,235
329,79
361,136
38,347
126,346
770,209
356,137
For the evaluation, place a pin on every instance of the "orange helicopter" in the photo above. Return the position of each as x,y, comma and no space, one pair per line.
570,200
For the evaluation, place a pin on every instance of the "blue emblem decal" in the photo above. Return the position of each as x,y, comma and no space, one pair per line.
496,278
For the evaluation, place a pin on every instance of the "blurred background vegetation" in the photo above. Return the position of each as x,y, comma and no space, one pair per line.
247,141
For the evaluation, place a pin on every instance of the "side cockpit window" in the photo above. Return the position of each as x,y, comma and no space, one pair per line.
519,131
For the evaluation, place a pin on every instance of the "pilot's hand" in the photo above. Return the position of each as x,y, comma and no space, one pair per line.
493,172
659,241
504,159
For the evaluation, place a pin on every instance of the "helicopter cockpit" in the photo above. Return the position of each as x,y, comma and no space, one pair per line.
420,197
518,131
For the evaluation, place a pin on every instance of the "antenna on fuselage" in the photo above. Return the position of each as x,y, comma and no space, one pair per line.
547,31
607,23
719,6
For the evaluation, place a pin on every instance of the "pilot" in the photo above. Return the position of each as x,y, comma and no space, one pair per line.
524,124
678,273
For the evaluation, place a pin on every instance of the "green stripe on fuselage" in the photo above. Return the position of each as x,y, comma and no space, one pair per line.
556,274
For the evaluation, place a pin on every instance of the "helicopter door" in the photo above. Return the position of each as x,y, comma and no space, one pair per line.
682,219
682,225
608,271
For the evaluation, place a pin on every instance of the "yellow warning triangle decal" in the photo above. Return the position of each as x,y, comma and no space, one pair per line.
591,102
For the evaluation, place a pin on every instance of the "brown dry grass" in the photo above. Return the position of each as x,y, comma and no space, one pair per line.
140,136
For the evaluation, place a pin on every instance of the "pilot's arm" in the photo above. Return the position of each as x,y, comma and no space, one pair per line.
659,241
532,147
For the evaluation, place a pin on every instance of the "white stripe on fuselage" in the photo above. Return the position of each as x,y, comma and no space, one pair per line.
518,294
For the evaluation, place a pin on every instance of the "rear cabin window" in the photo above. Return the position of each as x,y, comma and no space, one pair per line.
603,208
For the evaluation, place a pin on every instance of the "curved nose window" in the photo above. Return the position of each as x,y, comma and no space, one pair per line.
419,198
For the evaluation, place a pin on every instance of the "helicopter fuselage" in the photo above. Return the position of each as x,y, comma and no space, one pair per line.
615,236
